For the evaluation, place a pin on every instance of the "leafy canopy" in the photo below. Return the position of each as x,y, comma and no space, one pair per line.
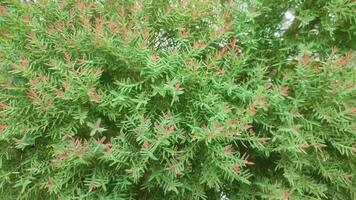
180,99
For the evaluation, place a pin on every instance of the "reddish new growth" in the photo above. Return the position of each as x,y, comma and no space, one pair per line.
2,127
233,45
32,35
91,187
229,149
32,94
284,90
220,71
156,125
66,136
169,129
98,26
207,60
67,58
194,64
169,8
185,33
97,125
101,140
221,53
154,57
34,81
50,183
75,73
287,194
95,72
199,44
106,146
296,128
348,178
233,122
26,19
121,12
86,22
210,135
60,26
59,93
3,106
71,12
13,66
174,169
352,110
62,4
112,25
94,96
261,100
24,62
135,7
178,86
76,142
218,126
76,148
305,59
147,145
3,11
80,5
345,59
145,33
236,168
65,84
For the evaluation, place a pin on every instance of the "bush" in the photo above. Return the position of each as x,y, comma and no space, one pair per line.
177,99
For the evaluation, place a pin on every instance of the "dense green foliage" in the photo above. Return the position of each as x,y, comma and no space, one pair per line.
159,99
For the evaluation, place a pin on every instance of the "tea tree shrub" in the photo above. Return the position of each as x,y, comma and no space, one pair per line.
177,99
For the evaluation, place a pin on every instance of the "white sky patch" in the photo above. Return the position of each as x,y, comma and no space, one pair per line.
287,21
223,196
